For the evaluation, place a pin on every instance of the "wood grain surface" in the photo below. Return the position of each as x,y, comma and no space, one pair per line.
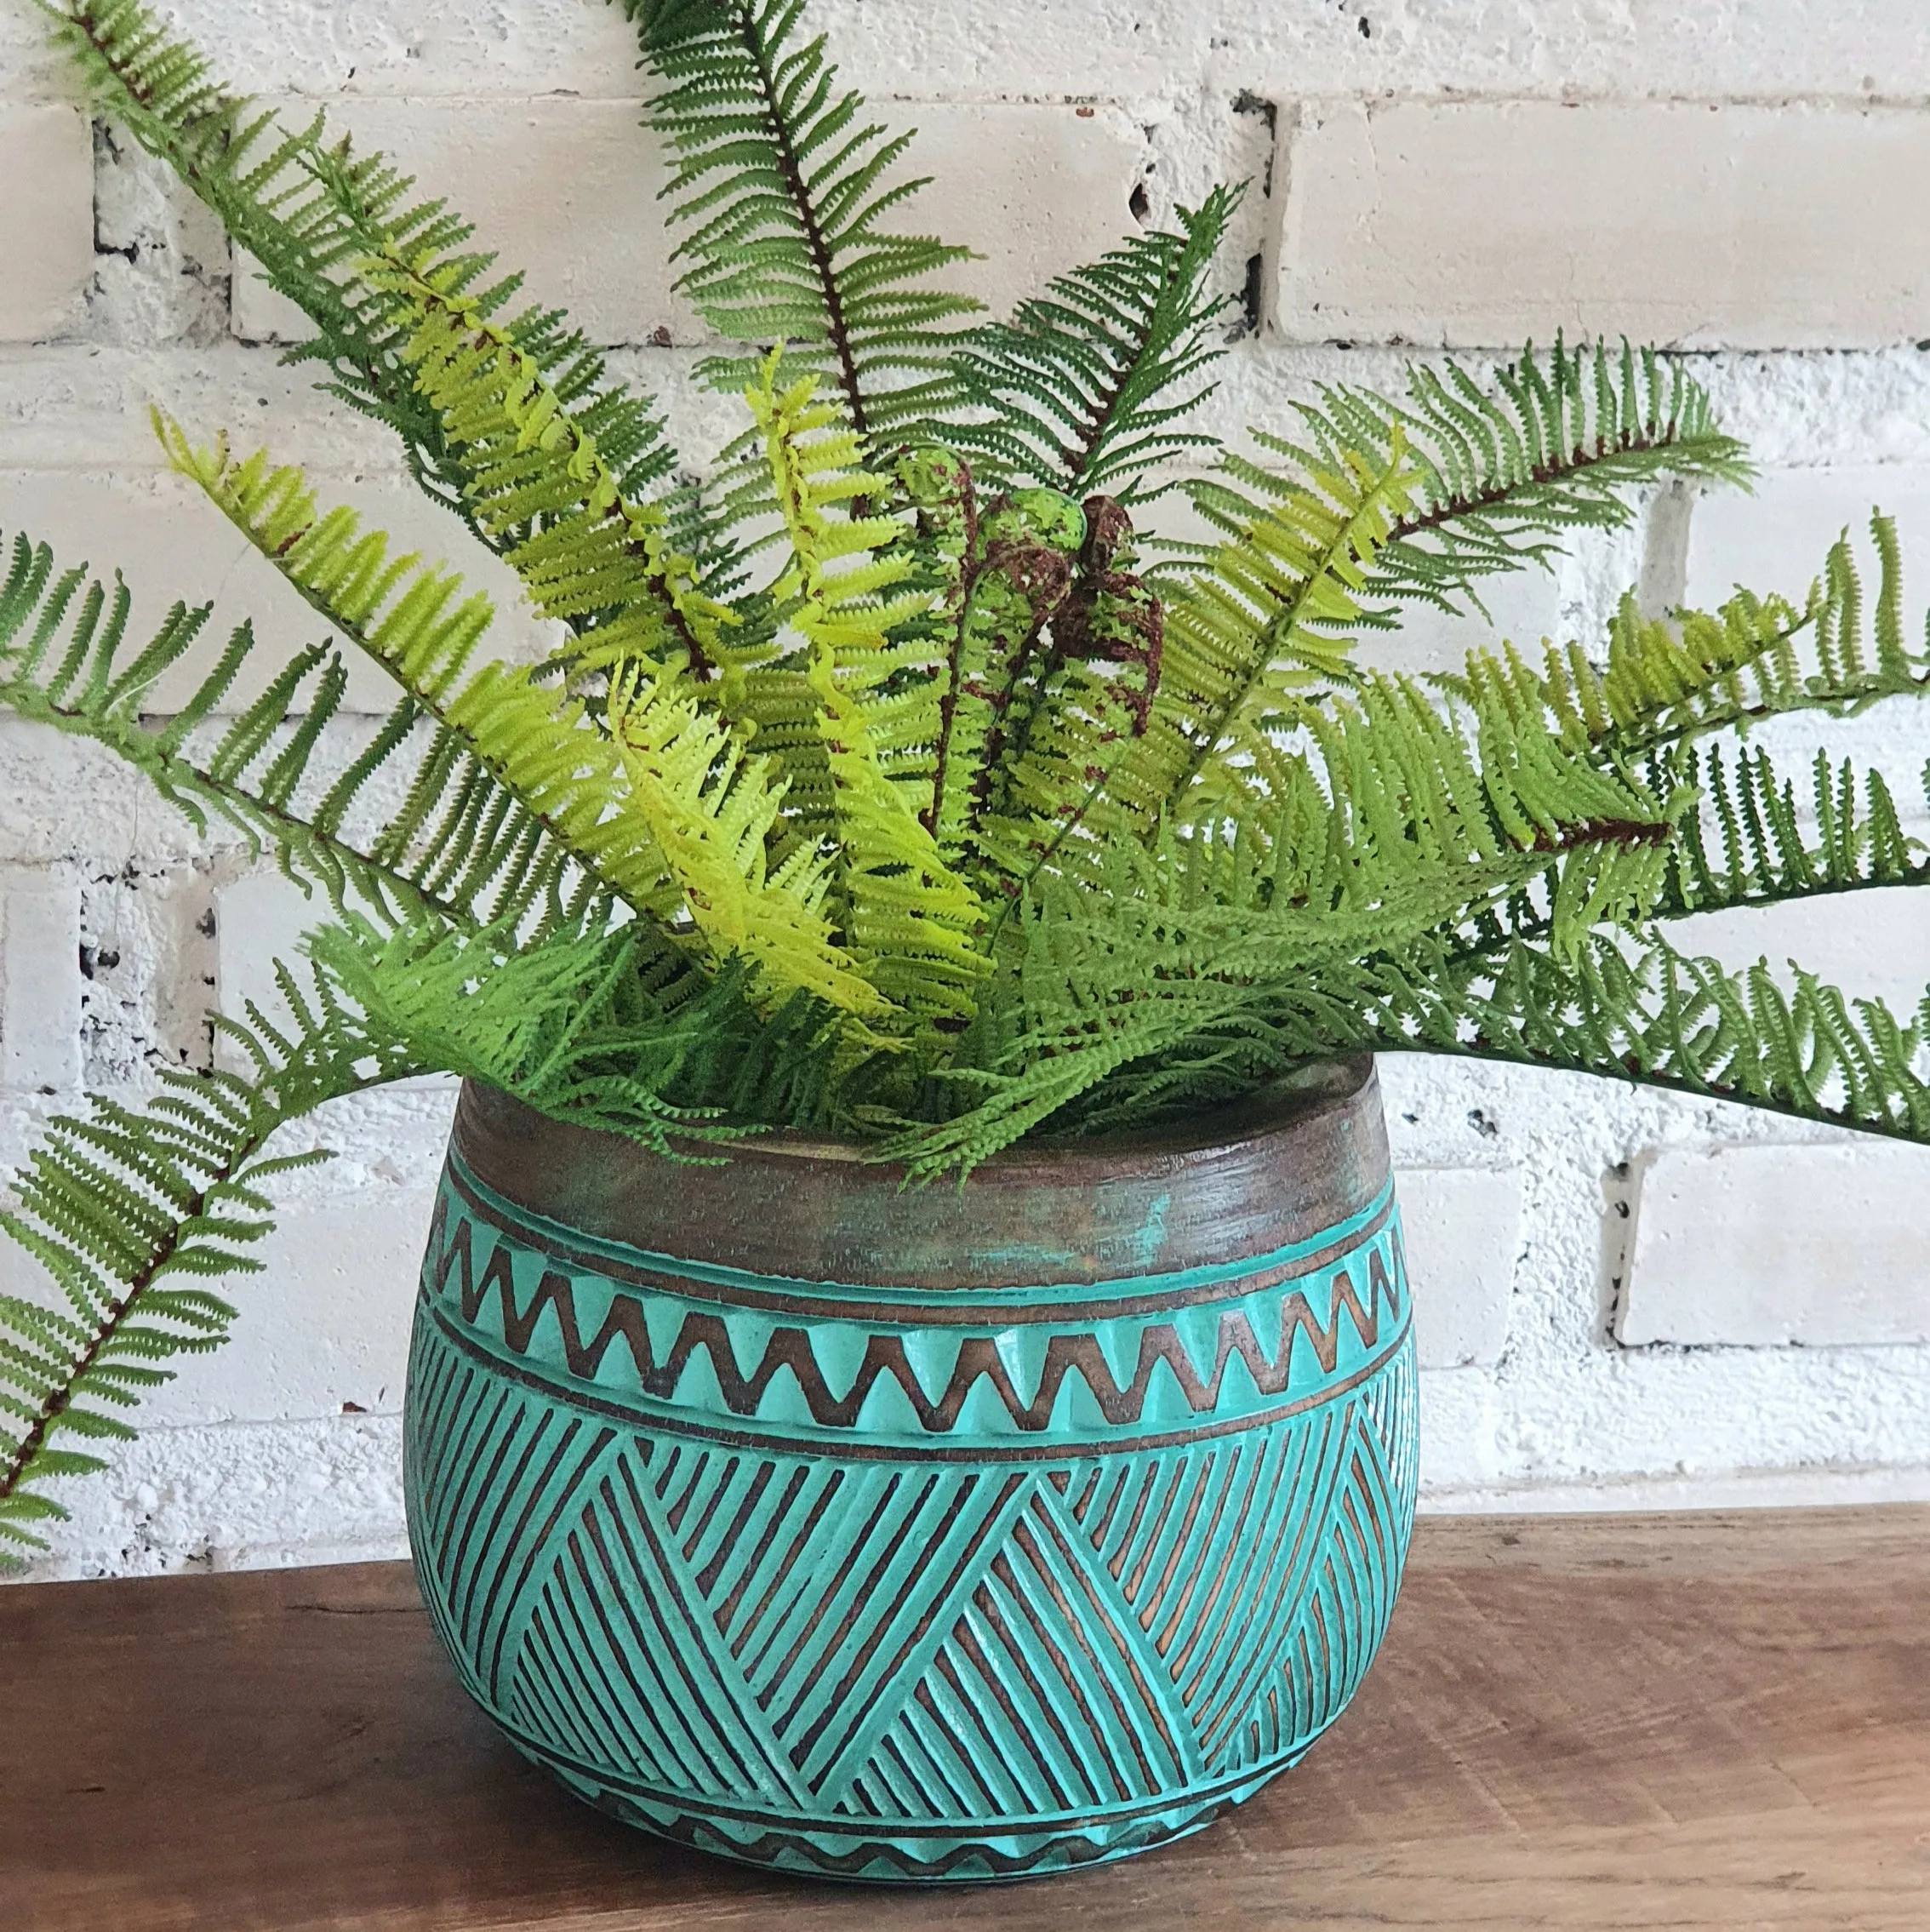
1688,1722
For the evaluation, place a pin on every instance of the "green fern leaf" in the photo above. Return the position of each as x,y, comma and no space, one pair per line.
1081,390
785,188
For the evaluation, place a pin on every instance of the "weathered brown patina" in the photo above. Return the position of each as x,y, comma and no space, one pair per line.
1280,1167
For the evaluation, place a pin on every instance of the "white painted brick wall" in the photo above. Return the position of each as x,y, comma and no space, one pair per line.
567,191
1462,1226
1822,1247
1699,223
40,984
259,921
1736,178
47,234
323,1331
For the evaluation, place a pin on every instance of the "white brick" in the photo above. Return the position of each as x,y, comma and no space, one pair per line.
40,984
46,219
566,191
1035,189
1462,1226
325,1322
1874,945
1656,49
1660,47
1821,1246
1480,224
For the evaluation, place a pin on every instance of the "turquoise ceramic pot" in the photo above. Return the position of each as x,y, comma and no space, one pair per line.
931,1535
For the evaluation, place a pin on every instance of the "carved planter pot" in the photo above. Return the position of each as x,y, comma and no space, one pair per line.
939,1533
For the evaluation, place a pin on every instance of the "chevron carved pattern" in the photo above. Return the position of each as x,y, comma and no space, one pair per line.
876,1654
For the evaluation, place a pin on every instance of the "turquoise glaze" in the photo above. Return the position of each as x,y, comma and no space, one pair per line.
883,1584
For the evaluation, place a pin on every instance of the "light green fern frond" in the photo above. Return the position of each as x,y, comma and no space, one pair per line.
536,746
541,488
711,810
1275,614
1665,682
910,922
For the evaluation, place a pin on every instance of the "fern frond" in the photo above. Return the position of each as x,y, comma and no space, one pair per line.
909,920
1500,472
135,1213
1088,385
1759,840
311,212
787,187
1666,682
1016,571
537,747
1081,705
1274,613
65,661
712,810
1667,1020
1204,962
616,1032
543,491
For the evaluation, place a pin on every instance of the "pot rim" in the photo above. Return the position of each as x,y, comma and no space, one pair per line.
1287,1164
1253,1116
1265,1110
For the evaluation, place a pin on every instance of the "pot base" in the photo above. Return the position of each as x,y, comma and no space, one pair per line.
973,1852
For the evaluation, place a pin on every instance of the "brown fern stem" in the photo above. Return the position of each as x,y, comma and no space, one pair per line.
1577,461
836,324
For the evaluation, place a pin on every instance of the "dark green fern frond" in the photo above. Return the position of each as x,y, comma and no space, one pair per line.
1666,681
786,186
1501,471
1671,1020
617,1032
1090,385
135,1213
1271,616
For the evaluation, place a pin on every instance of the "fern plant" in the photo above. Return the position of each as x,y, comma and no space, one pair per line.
901,781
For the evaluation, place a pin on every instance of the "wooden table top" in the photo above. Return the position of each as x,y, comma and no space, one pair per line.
1689,1721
